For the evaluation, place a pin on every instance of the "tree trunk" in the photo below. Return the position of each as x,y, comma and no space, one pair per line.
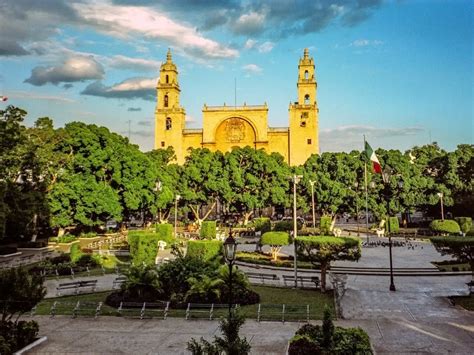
246,217
61,231
323,276
209,212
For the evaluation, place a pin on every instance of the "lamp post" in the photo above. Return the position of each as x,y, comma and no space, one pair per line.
386,174
296,179
440,194
312,202
230,247
356,186
176,214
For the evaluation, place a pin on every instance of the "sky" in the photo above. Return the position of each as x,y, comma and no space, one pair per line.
398,72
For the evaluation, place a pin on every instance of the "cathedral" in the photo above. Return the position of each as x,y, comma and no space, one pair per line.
227,127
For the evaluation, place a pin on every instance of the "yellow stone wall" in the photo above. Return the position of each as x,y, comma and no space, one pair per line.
226,127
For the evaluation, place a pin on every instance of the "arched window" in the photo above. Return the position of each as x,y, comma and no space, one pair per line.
168,123
166,100
306,74
167,79
306,99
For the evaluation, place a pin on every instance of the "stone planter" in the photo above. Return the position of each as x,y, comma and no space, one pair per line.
35,249
9,255
84,242
65,247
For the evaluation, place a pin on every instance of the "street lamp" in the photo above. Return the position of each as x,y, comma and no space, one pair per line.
296,179
356,186
386,174
440,194
230,248
312,202
176,214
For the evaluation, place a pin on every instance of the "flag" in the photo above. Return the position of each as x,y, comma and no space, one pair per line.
370,154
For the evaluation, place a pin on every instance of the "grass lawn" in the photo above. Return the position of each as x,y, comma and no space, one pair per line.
467,302
272,300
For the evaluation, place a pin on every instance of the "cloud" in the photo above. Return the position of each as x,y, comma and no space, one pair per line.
125,22
132,88
249,23
134,109
136,64
264,47
250,43
366,43
252,69
146,123
36,96
67,86
11,48
215,19
78,68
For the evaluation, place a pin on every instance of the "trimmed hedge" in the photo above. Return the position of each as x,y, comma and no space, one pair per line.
204,249
262,224
208,230
165,232
393,225
275,238
144,245
465,223
445,226
325,225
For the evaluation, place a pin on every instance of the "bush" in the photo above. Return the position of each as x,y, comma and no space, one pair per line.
448,226
325,225
204,249
465,223
87,260
351,341
262,225
283,226
303,345
75,253
165,232
88,235
66,238
143,248
26,333
208,230
275,238
393,225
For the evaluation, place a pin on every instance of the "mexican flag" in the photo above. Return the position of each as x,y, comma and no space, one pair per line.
370,154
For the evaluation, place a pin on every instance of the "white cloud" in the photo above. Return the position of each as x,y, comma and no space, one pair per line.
137,64
132,88
76,68
252,69
266,47
128,21
249,23
250,43
36,96
366,43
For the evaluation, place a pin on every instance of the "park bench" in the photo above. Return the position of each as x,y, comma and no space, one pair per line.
143,309
302,279
262,277
470,285
119,281
283,312
205,308
76,286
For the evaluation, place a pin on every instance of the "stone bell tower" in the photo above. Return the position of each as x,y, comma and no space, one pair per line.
303,114
169,115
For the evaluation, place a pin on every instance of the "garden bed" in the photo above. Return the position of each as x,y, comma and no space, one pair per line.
451,265
466,302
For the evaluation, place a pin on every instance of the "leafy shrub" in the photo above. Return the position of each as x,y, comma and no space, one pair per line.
63,258
7,250
465,223
165,232
204,249
75,253
445,226
283,226
87,260
393,225
26,332
208,230
325,225
88,235
241,292
351,341
275,238
144,245
262,225
303,345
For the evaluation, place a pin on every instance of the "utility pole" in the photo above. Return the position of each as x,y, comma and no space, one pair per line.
312,202
296,180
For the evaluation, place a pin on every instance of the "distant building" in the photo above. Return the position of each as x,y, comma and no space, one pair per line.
226,127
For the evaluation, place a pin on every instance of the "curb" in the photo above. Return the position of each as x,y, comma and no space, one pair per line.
31,346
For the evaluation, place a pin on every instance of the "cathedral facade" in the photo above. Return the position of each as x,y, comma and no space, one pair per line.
227,127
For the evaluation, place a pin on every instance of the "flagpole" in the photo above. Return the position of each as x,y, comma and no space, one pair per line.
366,198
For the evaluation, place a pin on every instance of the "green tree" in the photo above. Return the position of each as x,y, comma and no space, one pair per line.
321,251
461,248
276,240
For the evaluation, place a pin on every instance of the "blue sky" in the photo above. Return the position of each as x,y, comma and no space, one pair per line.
399,72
